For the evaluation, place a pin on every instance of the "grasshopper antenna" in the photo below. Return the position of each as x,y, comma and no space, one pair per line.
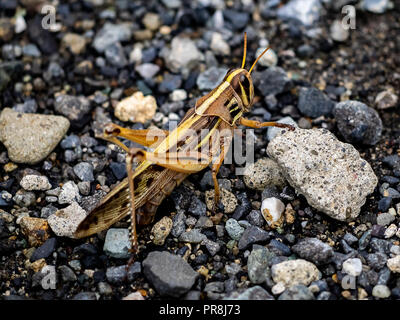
245,50
258,58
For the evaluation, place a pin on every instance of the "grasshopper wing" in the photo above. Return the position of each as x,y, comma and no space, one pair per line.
110,209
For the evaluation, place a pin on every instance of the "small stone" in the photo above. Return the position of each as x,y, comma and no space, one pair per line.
178,95
292,272
29,138
147,70
272,209
35,229
161,230
314,250
65,221
375,6
69,193
117,243
74,42
136,108
376,260
105,288
252,235
31,50
111,33
219,45
264,172
269,59
84,187
390,231
182,55
85,296
381,291
115,55
272,81
227,199
383,205
352,267
24,198
314,103
233,228
386,99
134,296
212,247
67,274
84,171
170,83
257,264
118,169
297,292
32,182
330,174
255,218
306,11
210,78
45,250
338,32
253,293
29,106
151,21
192,236
169,274
384,219
118,275
278,288
357,122
394,264
76,109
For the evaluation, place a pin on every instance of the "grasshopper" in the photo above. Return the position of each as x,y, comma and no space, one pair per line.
176,154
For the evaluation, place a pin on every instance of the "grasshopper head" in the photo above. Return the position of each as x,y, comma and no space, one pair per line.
240,79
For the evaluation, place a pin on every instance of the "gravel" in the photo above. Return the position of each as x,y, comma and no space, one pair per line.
142,66
169,274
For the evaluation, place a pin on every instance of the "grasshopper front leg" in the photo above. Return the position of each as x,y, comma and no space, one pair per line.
147,137
257,124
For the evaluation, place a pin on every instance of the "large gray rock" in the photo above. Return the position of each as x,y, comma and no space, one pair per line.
168,273
29,138
329,173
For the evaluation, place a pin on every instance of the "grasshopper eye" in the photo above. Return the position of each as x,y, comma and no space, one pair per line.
245,82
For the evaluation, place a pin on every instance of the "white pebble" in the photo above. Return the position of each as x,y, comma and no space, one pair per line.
269,59
352,267
381,291
278,288
272,209
178,95
390,231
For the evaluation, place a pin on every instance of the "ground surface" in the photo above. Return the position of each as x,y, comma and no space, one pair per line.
359,68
